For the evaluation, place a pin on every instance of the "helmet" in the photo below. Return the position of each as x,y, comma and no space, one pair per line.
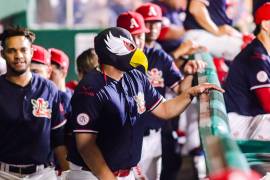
115,46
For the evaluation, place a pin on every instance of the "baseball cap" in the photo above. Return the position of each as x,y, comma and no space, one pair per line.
150,12
40,55
60,58
262,13
133,22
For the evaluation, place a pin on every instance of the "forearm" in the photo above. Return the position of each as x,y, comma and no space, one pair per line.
61,155
93,158
201,15
173,107
174,32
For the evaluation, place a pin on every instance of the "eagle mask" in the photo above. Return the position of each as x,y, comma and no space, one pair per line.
115,46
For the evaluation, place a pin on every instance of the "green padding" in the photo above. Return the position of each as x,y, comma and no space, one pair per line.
208,59
234,157
213,79
217,96
218,106
255,158
220,127
253,146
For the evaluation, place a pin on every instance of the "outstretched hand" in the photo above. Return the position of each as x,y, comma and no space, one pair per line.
203,88
194,66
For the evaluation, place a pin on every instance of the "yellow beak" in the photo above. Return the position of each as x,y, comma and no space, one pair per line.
139,59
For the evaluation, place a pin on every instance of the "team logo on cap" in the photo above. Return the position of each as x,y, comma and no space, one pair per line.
155,77
140,102
83,119
119,45
133,24
41,108
152,11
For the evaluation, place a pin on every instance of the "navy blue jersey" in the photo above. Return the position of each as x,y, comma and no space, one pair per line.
112,110
250,70
170,16
217,12
162,72
31,122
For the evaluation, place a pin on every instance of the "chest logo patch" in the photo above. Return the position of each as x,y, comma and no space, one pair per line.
41,108
140,103
155,77
83,119
262,76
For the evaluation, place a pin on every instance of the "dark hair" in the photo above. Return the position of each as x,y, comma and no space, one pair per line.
84,61
257,30
16,31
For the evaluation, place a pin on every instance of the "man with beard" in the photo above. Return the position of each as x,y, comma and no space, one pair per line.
31,122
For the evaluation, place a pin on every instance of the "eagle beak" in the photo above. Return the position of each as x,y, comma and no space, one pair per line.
139,59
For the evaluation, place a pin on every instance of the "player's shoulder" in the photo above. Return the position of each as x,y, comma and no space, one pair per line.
93,79
257,51
157,54
136,74
43,84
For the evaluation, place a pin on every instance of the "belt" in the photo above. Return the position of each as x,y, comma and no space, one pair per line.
118,173
22,170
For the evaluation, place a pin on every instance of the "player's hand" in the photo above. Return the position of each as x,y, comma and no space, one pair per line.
228,30
190,47
202,88
194,66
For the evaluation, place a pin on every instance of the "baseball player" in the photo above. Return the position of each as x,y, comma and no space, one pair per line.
86,61
208,24
40,63
31,123
60,65
153,19
162,73
107,106
248,84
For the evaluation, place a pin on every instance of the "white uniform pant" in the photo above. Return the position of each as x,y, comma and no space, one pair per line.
248,127
76,173
44,174
219,46
150,163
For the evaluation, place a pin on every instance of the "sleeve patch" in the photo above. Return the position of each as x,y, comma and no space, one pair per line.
83,119
262,76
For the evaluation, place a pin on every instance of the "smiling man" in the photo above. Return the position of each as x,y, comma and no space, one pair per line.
31,122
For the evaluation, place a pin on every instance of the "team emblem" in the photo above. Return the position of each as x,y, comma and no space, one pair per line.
83,119
152,11
133,24
41,108
155,77
140,102
262,76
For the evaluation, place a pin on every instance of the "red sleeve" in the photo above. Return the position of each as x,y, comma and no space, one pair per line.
263,95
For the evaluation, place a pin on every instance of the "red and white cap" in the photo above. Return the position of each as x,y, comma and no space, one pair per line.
40,55
59,57
262,13
150,12
133,22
